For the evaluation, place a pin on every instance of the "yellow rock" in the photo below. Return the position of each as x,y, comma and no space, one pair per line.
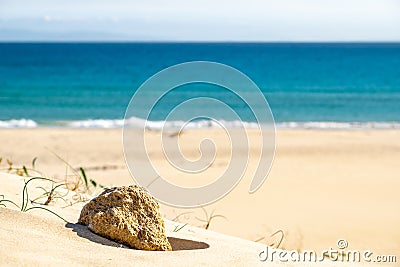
128,215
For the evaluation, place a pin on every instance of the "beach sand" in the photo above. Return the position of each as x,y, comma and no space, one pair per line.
324,185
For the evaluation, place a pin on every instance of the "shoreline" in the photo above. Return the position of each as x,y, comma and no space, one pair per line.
137,123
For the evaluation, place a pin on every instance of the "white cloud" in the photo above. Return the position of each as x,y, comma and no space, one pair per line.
47,18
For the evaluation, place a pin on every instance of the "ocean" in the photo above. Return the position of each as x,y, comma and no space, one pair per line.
307,85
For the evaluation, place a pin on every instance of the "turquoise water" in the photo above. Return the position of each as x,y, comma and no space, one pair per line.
90,84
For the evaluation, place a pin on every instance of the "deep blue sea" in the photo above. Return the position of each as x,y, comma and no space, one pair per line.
306,84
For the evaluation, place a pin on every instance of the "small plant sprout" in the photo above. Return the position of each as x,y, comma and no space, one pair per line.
20,171
25,199
78,182
208,218
50,195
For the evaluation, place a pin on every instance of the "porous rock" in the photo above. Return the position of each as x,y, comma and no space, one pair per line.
128,215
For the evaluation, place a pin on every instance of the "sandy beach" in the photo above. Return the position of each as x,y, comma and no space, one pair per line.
201,133
324,185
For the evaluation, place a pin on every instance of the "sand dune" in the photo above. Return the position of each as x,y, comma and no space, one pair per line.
33,240
39,238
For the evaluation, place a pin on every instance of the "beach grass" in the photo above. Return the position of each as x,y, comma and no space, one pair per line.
81,185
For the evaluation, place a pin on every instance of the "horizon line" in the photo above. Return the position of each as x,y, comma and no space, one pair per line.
207,41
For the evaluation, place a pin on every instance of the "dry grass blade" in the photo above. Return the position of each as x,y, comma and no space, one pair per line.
50,195
272,235
209,218
79,174
179,227
63,160
280,241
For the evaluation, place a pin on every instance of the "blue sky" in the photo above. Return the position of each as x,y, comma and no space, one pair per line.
206,20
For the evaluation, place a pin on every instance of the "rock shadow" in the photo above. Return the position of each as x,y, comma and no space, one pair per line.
176,243
83,231
186,244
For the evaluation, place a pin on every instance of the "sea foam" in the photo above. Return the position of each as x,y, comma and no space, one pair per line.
201,124
22,123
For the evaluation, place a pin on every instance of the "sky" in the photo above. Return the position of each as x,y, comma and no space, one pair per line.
205,20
